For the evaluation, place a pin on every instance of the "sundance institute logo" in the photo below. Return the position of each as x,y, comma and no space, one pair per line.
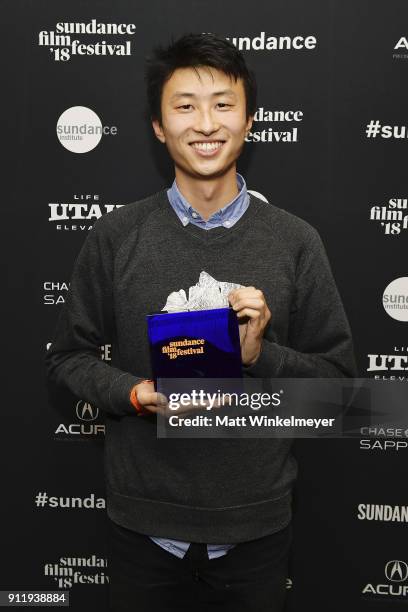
79,129
395,299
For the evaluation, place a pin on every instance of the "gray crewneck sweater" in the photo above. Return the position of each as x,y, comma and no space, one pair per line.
132,259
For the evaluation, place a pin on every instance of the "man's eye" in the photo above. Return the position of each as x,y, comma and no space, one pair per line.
223,104
184,106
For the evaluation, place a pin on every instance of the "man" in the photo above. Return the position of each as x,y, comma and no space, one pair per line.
196,524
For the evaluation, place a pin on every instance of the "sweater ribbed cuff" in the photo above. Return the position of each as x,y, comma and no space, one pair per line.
119,394
269,362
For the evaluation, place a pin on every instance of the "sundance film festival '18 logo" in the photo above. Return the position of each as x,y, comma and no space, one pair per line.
79,129
68,571
395,299
391,216
62,46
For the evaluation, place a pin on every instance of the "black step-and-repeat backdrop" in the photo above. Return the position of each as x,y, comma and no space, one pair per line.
329,144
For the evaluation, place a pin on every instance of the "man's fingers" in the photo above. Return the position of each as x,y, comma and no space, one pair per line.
202,406
161,399
249,312
245,291
157,403
241,289
253,302
151,398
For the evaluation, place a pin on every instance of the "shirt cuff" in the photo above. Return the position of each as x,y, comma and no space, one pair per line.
269,362
119,394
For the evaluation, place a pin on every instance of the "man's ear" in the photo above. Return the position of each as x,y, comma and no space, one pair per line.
249,123
158,130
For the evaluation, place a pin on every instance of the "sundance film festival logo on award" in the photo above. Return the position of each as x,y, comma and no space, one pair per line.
391,216
63,42
79,214
395,299
80,130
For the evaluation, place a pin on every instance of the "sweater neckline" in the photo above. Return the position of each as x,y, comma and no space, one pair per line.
213,233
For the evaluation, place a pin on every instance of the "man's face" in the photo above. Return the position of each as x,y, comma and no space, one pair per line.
203,121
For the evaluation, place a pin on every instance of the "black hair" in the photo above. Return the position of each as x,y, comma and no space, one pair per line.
193,51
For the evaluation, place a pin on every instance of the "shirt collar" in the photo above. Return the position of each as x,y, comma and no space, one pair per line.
227,215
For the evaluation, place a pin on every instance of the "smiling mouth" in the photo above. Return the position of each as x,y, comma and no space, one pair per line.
207,148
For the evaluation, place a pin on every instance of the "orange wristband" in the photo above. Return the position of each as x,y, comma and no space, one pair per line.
135,402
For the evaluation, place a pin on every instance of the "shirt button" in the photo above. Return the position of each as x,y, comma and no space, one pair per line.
194,214
227,223
185,219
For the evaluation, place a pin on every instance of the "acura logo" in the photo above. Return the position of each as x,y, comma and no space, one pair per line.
396,571
86,412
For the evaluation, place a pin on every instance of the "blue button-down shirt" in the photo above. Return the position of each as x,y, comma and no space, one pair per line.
226,216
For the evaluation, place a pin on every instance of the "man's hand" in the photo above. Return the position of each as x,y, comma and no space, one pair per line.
253,316
150,399
157,403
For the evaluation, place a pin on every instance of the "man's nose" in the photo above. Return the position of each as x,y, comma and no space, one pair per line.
206,122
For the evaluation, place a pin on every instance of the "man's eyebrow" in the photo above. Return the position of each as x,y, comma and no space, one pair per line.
185,94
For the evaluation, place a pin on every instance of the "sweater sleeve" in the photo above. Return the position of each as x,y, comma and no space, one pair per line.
85,323
319,337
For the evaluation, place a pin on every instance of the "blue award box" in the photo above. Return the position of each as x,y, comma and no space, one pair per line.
195,344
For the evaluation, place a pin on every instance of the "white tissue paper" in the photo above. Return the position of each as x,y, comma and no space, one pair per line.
207,293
